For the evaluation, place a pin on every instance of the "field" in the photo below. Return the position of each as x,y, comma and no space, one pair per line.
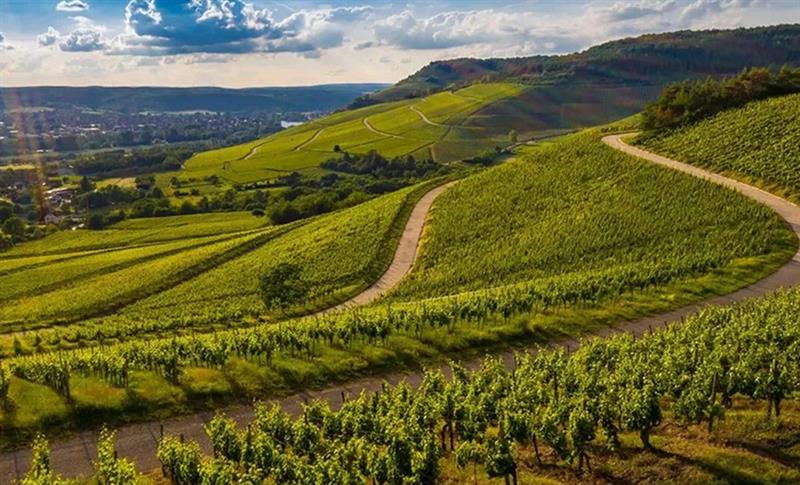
662,408
420,127
757,144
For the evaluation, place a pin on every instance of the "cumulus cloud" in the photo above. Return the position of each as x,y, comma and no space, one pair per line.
506,33
625,11
48,38
3,45
229,27
702,8
72,6
82,40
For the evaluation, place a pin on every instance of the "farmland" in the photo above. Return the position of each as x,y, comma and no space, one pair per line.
757,143
575,207
435,128
214,340
187,272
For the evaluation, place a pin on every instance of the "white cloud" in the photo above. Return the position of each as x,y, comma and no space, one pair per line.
625,11
48,38
3,45
72,6
229,27
702,8
82,40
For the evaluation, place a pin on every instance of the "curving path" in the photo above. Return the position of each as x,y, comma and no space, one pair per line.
425,118
72,456
377,131
404,255
310,140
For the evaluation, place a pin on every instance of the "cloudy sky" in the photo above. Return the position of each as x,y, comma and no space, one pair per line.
239,43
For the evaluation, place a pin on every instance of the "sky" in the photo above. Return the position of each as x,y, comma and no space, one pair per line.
244,43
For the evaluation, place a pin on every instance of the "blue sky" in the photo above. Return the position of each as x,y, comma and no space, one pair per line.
240,43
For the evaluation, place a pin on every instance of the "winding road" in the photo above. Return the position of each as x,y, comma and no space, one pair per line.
72,456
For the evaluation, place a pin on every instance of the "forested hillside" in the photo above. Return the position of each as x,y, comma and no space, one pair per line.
648,60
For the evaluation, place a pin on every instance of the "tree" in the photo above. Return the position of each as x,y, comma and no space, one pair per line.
513,136
469,452
96,221
15,227
86,184
6,242
282,286
337,148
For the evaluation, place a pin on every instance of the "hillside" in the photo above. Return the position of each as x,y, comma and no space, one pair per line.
648,60
441,127
139,99
756,143
604,82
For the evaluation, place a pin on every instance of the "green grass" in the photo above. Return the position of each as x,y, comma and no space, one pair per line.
756,144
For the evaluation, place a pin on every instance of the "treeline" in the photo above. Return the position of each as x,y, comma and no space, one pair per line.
122,163
376,165
687,102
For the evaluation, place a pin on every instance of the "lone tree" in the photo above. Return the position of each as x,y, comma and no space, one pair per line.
513,136
282,286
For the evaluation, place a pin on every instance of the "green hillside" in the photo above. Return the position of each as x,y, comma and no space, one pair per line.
757,143
189,272
573,208
440,127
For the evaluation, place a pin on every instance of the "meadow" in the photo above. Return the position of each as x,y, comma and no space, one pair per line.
756,143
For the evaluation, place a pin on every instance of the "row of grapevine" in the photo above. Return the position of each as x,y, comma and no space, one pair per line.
339,254
757,143
306,338
576,205
493,416
109,468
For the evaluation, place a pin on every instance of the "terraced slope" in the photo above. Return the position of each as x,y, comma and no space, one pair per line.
436,127
757,143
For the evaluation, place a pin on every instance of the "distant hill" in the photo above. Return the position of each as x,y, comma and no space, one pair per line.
616,78
136,99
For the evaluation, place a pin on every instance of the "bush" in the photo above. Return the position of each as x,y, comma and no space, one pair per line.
282,286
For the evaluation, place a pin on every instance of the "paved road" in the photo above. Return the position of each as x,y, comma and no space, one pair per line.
72,456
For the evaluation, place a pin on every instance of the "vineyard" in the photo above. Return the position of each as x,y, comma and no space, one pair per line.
435,127
551,410
574,207
193,282
524,296
756,143
716,389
